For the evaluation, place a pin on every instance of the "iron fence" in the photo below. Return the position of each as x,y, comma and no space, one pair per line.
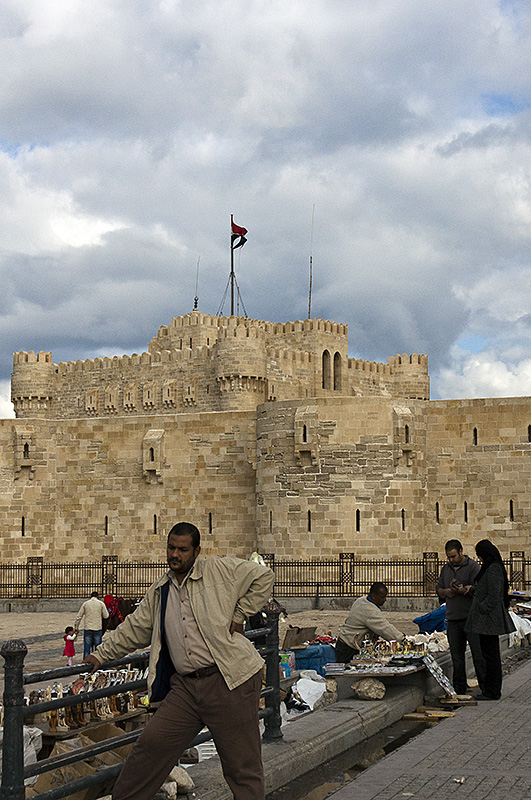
13,771
344,576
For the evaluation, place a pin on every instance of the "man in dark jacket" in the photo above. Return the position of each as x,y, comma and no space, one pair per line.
460,571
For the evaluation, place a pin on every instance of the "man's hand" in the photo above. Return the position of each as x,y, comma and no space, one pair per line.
447,593
236,627
90,659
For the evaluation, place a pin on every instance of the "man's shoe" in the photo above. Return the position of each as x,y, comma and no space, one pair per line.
485,697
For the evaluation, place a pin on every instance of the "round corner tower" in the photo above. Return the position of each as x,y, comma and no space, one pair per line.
240,359
32,384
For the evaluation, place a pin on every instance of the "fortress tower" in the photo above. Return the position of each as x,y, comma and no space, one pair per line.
205,363
33,384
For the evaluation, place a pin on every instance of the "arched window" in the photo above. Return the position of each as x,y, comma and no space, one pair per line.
26,450
151,454
326,370
337,372
406,434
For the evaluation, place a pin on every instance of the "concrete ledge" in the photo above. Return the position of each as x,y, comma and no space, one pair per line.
417,605
314,739
40,604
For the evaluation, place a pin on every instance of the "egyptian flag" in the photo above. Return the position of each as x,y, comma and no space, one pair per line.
237,238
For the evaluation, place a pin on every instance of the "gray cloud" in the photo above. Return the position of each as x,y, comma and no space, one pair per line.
131,133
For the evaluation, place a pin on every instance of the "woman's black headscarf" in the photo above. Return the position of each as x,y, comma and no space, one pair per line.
490,554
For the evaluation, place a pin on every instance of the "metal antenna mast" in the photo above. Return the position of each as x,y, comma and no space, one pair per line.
311,266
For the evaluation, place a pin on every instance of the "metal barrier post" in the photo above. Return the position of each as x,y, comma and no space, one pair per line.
273,720
12,787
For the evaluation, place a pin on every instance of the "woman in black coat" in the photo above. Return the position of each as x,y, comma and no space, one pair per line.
488,615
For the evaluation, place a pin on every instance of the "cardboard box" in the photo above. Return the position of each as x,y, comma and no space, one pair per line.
296,637
58,777
108,731
90,765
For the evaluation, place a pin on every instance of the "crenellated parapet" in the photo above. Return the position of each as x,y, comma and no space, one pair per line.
402,376
205,363
411,375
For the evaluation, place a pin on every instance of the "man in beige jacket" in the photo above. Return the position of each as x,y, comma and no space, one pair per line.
201,666
94,612
365,621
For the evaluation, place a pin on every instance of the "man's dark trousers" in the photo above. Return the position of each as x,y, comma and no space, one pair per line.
192,703
457,640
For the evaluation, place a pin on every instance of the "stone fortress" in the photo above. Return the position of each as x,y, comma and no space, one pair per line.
267,436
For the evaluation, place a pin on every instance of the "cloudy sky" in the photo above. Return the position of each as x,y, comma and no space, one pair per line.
130,130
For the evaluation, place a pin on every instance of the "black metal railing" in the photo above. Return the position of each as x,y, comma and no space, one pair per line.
344,576
15,712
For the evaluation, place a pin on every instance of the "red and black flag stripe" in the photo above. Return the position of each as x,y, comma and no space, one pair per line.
238,235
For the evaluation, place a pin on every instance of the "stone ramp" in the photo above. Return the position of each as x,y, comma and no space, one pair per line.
482,753
313,739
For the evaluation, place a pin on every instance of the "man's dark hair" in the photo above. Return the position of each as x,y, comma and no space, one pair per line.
94,594
453,544
186,529
377,588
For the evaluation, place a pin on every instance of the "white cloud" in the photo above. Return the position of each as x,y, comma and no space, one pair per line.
484,375
6,406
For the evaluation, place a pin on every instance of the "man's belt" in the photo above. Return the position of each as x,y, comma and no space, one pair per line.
202,672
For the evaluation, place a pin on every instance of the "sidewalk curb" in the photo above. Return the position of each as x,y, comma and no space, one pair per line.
314,739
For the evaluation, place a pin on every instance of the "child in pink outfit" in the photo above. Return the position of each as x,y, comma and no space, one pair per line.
69,638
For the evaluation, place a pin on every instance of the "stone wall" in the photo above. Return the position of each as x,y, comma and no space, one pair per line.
479,454
89,488
336,474
265,435
303,478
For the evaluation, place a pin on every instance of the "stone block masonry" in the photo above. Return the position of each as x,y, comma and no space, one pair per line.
267,436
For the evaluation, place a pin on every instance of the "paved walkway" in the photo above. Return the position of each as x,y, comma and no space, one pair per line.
483,753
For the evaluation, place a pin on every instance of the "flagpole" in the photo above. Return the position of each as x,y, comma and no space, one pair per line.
231,270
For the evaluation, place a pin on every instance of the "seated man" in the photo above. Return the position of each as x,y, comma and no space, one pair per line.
365,621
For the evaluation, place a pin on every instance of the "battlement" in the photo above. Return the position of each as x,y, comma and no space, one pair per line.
181,324
405,360
134,360
23,357
369,366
